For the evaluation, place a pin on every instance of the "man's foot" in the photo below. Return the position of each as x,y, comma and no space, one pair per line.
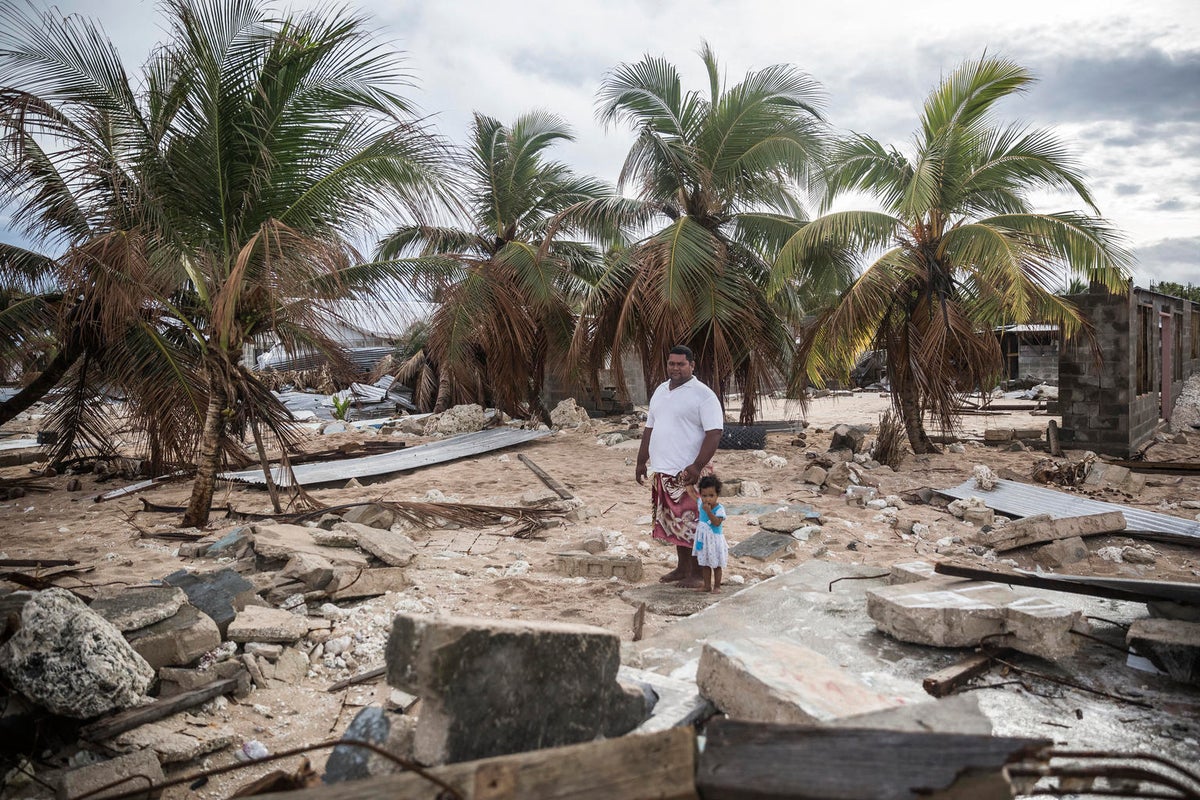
674,575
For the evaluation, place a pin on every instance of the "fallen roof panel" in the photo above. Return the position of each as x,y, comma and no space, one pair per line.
450,449
1023,500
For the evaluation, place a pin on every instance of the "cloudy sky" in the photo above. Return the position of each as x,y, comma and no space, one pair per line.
1119,81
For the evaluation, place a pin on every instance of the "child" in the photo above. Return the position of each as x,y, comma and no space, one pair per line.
710,548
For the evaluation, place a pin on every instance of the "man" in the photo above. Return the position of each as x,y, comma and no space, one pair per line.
682,431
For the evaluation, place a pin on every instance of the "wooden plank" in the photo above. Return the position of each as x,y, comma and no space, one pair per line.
552,483
1135,591
1052,438
129,719
140,486
657,765
362,677
37,562
946,681
745,760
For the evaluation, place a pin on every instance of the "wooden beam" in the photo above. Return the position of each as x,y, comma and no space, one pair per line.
659,765
1052,438
744,760
554,485
946,681
129,719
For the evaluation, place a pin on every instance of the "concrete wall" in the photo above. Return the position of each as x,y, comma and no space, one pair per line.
612,398
1114,407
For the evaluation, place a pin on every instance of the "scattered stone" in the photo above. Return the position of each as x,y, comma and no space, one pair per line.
1173,646
581,563
178,640
805,533
1041,528
815,475
259,624
1139,555
839,477
1063,552
539,497
678,701
750,489
847,437
371,514
490,687
954,612
71,660
392,732
392,548
177,680
290,668
776,681
140,606
268,650
219,594
86,781
859,495
461,419
173,746
313,571
775,462
788,519
352,584
568,414
334,538
956,447
592,542
281,542
985,479
234,544
1102,475
764,546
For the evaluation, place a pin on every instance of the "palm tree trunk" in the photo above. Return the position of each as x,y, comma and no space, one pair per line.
443,393
913,417
40,385
209,457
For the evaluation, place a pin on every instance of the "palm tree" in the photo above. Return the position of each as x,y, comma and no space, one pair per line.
258,146
507,279
718,172
957,249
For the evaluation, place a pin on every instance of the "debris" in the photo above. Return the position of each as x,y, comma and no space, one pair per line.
107,728
362,677
71,660
805,763
985,479
1135,591
568,414
550,482
946,681
668,600
350,583
140,486
1173,646
743,437
1063,472
467,418
1062,552
772,680
750,489
392,548
281,542
138,606
1104,475
128,772
260,624
581,563
220,594
764,546
173,745
490,687
788,519
847,437
957,714
1042,528
177,640
393,732
375,515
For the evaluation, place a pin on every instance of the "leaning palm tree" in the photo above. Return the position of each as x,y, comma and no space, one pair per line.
717,171
957,249
255,147
506,279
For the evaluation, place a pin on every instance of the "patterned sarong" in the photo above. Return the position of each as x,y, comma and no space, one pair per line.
675,510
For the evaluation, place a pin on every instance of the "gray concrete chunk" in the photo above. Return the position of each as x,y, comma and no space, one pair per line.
142,768
764,546
393,549
178,640
220,594
140,606
490,687
260,624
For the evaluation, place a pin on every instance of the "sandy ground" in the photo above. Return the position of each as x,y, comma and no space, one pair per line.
491,574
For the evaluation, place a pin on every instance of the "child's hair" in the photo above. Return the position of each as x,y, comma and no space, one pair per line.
710,482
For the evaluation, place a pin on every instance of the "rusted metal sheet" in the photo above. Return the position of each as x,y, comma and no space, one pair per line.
451,449
1023,500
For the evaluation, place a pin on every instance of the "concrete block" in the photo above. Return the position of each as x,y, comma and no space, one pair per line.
816,475
490,687
998,435
679,701
1063,552
580,563
393,549
847,437
961,613
351,584
376,516
310,569
140,606
177,680
959,713
177,640
261,624
86,780
979,516
764,546
172,745
281,542
1173,646
1043,528
912,572
220,594
787,520
776,681
392,732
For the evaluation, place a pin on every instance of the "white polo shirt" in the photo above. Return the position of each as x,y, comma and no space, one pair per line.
679,419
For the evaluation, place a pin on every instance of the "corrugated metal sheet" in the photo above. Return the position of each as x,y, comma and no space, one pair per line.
19,444
1024,500
456,447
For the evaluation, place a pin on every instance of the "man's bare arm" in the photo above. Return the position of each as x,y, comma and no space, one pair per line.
643,457
708,448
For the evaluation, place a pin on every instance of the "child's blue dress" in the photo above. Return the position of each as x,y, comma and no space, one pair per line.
710,548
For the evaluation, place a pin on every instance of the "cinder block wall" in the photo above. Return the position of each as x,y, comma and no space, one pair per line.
1101,406
1038,361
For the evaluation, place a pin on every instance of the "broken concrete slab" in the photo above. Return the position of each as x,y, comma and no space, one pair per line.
392,548
173,745
1063,552
490,687
393,732
962,613
352,584
290,667
815,475
958,713
260,624
268,650
71,660
1173,646
1102,475
140,606
669,600
141,768
788,519
581,563
679,701
770,680
331,538
220,594
177,680
372,515
281,542
310,569
178,640
233,544
764,546
1043,528
847,437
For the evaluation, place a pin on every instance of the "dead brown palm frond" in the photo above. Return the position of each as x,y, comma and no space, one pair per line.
889,442
436,515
